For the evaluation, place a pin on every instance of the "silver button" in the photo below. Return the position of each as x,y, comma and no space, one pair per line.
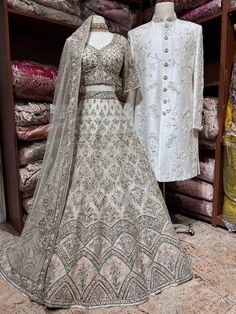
166,37
164,89
164,113
165,77
166,64
166,50
164,101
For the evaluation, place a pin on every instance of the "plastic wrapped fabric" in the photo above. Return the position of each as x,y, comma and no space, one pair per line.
28,114
209,118
193,187
32,133
207,168
230,121
34,81
30,6
202,12
28,179
31,152
188,203
69,6
229,181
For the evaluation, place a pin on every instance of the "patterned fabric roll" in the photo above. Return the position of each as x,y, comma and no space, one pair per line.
27,204
204,11
30,6
32,114
209,118
189,203
207,168
181,6
112,10
28,179
69,6
33,81
29,153
193,187
32,133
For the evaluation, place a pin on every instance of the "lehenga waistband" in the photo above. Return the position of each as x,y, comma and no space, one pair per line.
99,95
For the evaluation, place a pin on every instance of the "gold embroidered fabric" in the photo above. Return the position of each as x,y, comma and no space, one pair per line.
111,65
99,233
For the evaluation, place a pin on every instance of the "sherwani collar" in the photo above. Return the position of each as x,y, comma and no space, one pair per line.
158,19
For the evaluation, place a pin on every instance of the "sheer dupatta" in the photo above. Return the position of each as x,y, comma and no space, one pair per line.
35,246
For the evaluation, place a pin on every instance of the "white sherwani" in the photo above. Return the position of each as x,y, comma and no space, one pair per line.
169,61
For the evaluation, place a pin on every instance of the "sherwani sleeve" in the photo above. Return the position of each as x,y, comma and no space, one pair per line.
198,82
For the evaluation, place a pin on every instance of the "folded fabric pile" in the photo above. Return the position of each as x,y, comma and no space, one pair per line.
194,195
233,3
203,11
229,169
181,7
33,86
32,7
119,17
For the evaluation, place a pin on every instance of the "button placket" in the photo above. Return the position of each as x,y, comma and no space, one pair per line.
165,43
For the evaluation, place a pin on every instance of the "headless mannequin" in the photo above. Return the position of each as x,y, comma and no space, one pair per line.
165,10
98,40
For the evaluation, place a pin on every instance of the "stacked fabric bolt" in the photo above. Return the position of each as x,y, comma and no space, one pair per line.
33,86
119,17
229,169
203,11
210,123
196,195
181,7
67,11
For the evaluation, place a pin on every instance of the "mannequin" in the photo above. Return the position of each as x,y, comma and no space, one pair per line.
168,55
164,9
99,39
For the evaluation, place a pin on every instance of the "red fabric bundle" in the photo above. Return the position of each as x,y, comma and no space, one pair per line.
34,81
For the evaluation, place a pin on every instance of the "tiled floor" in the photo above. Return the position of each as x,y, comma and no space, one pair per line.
212,290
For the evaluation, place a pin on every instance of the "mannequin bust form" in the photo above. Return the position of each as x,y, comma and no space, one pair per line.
98,39
164,10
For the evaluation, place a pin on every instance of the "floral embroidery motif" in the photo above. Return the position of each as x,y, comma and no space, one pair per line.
99,232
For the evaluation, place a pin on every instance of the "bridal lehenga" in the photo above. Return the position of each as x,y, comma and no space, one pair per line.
99,233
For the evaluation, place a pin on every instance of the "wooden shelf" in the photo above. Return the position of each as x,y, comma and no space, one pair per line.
41,18
232,10
212,84
209,18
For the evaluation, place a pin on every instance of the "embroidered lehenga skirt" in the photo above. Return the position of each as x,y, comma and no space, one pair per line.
116,244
